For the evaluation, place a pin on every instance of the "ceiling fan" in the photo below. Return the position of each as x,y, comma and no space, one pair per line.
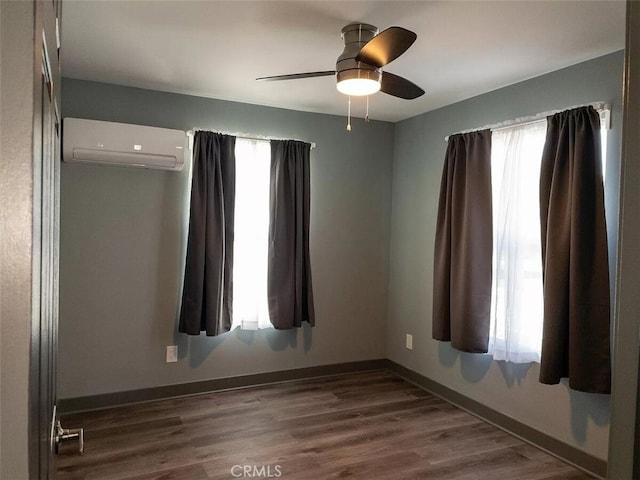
359,68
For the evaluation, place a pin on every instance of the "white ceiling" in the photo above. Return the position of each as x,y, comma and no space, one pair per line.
217,48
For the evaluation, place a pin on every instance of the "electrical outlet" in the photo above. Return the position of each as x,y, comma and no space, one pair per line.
172,353
409,342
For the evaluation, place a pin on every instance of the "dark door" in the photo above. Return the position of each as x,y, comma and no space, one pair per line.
46,242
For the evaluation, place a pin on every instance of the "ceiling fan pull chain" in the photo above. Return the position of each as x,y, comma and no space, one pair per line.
366,117
349,117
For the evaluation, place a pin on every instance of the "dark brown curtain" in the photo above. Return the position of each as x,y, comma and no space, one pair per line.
289,289
464,245
575,342
207,294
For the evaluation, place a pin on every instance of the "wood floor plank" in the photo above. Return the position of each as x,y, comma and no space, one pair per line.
371,425
122,415
138,460
504,463
117,439
445,445
190,472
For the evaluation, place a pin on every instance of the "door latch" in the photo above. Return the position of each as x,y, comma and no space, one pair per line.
66,434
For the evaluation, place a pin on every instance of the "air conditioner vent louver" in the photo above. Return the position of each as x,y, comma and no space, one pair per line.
124,145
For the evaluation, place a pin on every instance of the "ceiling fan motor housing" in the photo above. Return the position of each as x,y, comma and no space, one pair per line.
359,68
355,35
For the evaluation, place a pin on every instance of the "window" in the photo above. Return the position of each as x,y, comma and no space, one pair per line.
250,308
516,293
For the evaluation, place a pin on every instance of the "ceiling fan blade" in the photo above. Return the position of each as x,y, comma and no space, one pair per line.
399,87
386,46
295,76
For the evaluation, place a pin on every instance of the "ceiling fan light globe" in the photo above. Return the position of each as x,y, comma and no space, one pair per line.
358,87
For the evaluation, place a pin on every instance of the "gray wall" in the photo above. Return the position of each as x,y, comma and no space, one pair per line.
122,240
578,419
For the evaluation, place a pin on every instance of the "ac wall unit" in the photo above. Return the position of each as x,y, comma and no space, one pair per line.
121,144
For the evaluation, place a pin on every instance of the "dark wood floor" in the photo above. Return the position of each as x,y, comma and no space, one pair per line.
372,426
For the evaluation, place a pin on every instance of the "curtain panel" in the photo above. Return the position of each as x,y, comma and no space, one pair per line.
463,245
289,288
207,294
576,338
517,300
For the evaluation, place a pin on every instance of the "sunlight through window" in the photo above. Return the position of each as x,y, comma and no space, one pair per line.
250,309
